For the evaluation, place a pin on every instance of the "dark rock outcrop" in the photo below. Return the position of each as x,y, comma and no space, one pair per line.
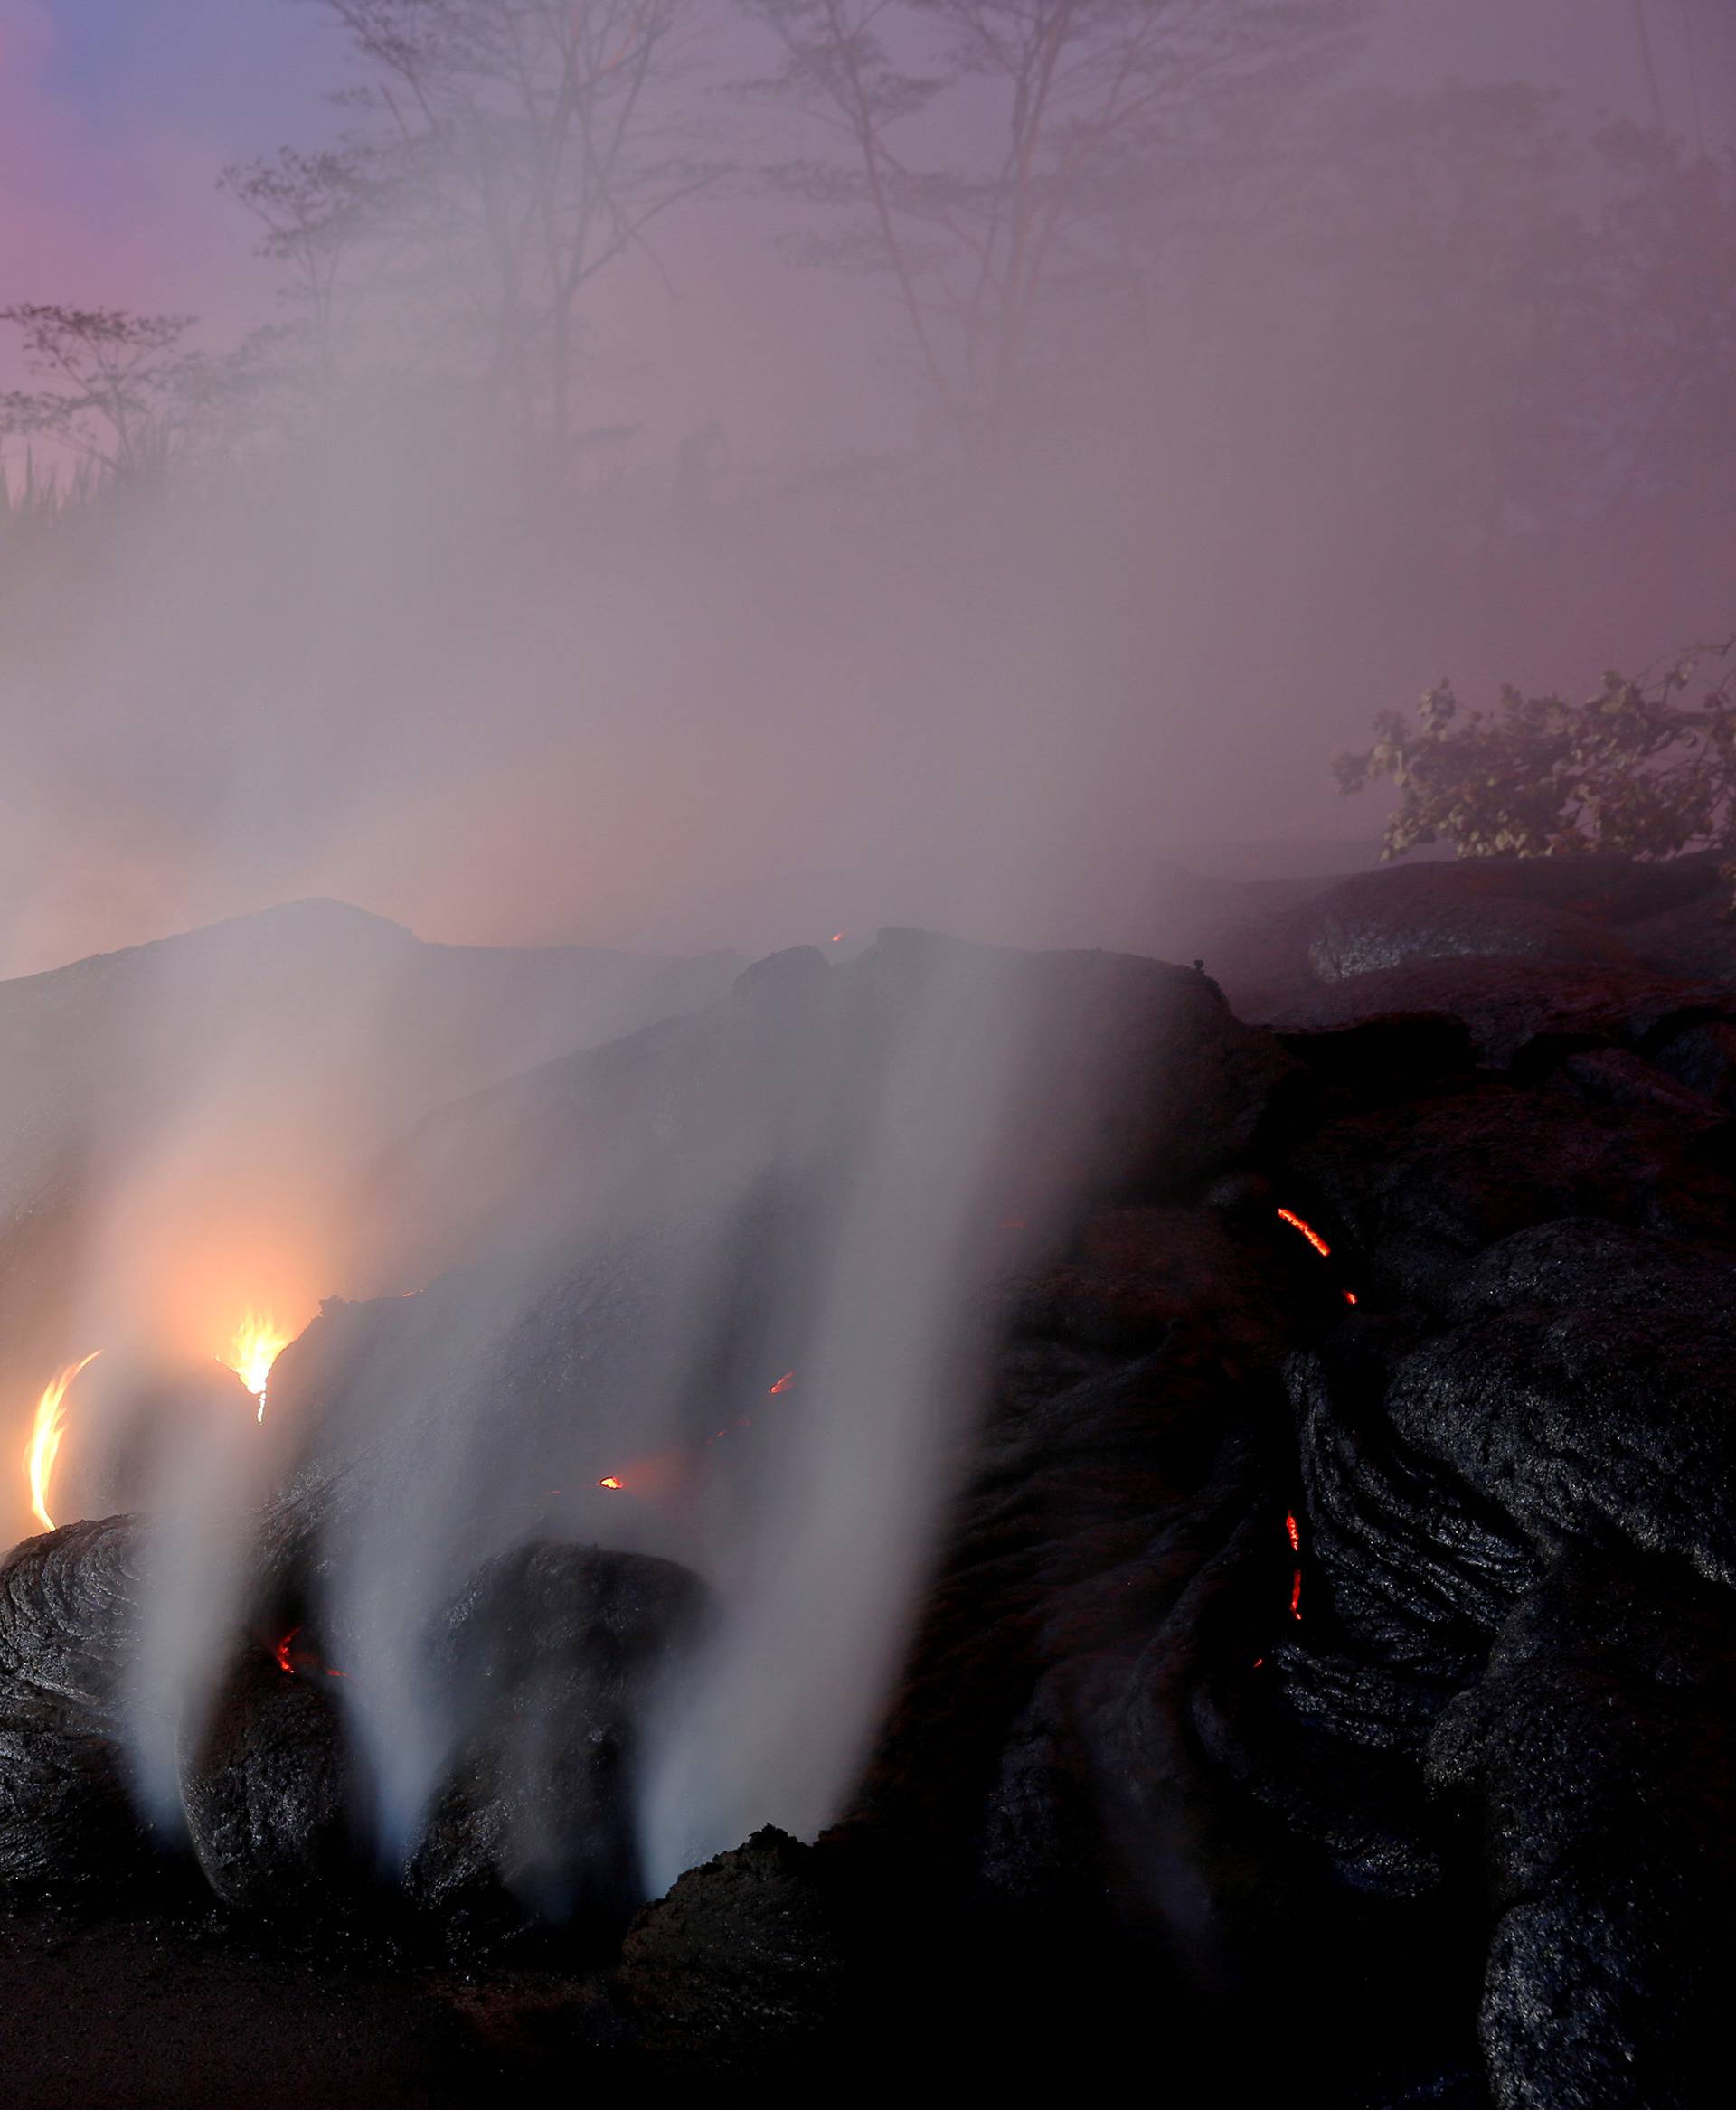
1576,915
66,1612
1122,1075
546,1664
1328,1660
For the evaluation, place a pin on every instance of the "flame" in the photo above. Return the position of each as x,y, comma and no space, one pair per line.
1308,1231
45,1445
255,1345
611,1482
783,1384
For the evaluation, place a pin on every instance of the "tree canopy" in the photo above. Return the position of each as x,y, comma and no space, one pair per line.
1645,768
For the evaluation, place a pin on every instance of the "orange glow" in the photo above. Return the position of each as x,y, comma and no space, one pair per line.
284,1653
838,937
45,1435
783,1384
611,1482
1308,1231
254,1346
1296,1594
1291,1527
1350,1296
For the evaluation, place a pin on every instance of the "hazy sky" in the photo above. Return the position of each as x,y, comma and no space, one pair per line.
114,120
644,745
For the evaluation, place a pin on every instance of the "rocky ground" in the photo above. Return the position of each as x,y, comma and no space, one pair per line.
1326,1679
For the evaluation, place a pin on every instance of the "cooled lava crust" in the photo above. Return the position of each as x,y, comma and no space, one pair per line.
1327,1679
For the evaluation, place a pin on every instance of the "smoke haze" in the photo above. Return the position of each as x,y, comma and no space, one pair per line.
753,577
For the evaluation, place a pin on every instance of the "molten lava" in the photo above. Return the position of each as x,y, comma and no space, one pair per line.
255,1346
611,1482
285,1653
783,1384
1308,1231
1291,1526
45,1435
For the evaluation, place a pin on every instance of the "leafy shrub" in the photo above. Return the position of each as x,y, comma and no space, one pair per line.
1647,768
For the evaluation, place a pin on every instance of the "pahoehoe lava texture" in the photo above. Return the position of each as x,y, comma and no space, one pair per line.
1328,1669
550,1655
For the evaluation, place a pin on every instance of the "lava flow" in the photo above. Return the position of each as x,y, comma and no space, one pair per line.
1308,1231
46,1432
255,1346
284,1653
1317,1242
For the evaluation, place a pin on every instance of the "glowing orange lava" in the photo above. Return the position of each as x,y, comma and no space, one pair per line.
1296,1594
284,1653
611,1482
1291,1526
255,1345
1308,1231
45,1435
783,1384
838,937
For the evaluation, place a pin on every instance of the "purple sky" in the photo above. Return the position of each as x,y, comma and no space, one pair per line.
115,121
590,761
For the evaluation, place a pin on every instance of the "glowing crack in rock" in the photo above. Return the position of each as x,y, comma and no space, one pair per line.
1307,1231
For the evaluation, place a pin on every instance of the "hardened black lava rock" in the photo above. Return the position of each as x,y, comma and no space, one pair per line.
264,1787
545,1666
538,1675
1598,1753
741,1967
549,1663
1582,917
1518,1539
1327,1667
1431,912
1129,1077
68,1604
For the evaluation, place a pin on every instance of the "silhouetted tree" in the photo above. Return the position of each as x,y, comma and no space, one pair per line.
116,388
514,149
322,213
1510,342
991,151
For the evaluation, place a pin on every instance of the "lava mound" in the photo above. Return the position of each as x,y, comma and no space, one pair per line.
1328,1652
545,1664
